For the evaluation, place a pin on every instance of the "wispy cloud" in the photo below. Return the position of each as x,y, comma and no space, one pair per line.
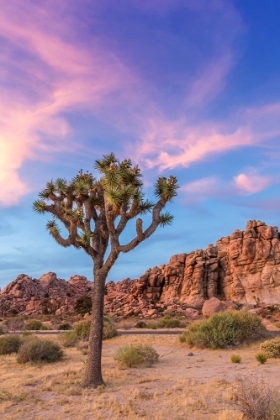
55,64
243,184
42,77
251,183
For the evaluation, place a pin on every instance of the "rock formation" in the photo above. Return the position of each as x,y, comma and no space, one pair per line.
243,268
48,294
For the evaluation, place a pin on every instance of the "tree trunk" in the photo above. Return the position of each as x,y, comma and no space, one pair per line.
93,374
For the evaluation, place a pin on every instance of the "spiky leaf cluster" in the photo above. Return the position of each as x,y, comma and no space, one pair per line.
96,211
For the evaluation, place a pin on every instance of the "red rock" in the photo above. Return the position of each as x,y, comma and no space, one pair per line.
212,306
242,268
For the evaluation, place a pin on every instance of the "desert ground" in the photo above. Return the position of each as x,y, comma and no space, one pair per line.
179,386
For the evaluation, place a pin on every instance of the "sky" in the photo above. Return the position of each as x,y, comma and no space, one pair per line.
181,87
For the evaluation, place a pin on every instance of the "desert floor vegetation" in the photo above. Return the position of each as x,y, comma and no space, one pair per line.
201,386
225,329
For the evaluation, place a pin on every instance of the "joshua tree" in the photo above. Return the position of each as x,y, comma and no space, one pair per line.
95,212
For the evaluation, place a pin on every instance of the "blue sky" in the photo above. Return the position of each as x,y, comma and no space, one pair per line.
180,87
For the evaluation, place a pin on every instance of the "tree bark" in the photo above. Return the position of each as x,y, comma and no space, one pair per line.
93,373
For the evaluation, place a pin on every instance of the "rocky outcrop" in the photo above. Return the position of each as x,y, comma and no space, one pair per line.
243,268
48,294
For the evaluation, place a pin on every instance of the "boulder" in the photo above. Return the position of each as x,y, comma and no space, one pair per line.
212,306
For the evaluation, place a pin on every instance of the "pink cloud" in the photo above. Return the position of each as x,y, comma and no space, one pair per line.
169,144
251,183
243,184
50,76
51,70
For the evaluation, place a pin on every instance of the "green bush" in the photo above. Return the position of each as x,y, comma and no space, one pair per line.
10,344
1,330
39,351
83,305
235,358
134,356
34,325
225,329
65,327
277,324
271,347
261,357
27,334
153,326
109,329
169,322
141,324
82,329
69,339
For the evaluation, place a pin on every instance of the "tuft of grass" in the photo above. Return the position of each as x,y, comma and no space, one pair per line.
141,324
257,399
82,329
169,322
27,334
271,347
109,328
69,339
224,329
39,351
261,358
35,325
64,327
235,358
134,356
10,344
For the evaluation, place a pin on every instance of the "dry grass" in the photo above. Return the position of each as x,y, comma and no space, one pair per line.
178,387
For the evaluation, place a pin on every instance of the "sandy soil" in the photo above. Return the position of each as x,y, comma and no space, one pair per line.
180,386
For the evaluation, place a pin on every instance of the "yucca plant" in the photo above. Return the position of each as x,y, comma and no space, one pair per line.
95,212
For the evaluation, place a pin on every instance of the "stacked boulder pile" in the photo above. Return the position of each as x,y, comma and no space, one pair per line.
241,269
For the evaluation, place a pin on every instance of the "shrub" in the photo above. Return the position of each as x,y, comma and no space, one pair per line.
133,356
153,326
277,324
27,334
235,358
2,331
69,339
82,329
168,322
36,351
271,347
14,324
225,329
33,325
65,327
261,357
109,329
256,399
83,305
141,324
10,344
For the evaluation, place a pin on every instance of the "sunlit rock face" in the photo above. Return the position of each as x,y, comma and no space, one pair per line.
243,268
